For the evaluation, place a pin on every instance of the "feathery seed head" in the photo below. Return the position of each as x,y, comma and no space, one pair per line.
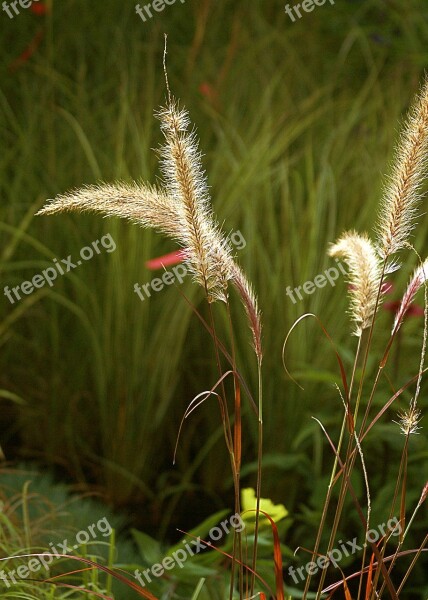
185,182
424,494
181,210
402,192
249,301
409,421
364,276
141,203
418,279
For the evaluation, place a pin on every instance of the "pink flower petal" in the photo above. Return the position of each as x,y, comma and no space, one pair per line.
173,258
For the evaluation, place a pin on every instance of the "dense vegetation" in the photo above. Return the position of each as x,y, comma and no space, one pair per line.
297,122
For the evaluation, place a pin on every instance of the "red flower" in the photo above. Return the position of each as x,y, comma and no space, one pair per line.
414,310
39,9
173,258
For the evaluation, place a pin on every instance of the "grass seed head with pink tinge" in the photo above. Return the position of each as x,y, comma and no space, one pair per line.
249,301
424,494
417,280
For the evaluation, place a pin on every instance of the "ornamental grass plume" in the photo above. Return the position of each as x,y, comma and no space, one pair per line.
424,494
138,202
402,193
249,301
418,279
180,208
185,183
368,263
365,273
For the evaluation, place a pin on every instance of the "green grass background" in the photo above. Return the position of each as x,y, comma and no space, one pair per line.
296,140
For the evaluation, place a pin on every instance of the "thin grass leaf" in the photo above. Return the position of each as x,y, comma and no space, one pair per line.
198,589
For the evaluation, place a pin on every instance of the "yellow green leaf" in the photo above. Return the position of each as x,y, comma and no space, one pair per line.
249,503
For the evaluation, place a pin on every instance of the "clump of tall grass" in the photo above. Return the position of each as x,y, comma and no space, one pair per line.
180,208
36,515
370,263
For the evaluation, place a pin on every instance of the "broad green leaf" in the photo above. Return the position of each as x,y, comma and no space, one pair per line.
149,548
